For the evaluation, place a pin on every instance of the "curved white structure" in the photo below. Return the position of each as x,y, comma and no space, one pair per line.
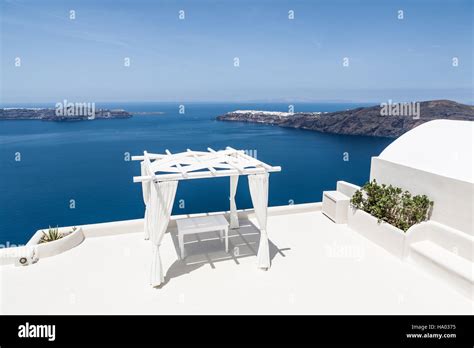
30,253
435,159
69,241
441,147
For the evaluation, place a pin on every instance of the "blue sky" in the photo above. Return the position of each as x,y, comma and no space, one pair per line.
192,59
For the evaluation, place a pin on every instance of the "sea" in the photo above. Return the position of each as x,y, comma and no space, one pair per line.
74,173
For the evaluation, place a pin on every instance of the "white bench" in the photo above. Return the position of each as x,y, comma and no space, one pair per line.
200,225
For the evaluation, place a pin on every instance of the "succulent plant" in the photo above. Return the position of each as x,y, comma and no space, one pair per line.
52,235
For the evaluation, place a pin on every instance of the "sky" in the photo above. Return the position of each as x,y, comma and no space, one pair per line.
193,59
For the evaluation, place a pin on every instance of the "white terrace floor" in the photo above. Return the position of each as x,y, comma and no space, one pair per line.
318,267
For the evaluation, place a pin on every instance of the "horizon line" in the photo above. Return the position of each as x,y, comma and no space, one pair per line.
324,101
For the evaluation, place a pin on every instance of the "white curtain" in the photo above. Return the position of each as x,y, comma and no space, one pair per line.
258,184
146,199
162,196
234,219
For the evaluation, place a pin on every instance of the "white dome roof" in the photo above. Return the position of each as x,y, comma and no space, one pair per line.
442,147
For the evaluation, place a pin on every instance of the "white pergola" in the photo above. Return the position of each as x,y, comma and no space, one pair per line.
160,174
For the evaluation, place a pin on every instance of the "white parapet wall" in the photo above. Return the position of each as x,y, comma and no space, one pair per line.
11,255
134,226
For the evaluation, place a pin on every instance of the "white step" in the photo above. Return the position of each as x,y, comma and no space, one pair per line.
457,270
335,206
452,239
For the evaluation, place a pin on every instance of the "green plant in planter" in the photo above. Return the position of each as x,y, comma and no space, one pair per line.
52,235
393,205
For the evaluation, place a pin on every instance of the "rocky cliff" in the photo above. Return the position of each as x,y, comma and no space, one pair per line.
390,120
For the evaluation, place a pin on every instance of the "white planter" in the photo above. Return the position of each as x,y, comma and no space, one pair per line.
385,235
58,246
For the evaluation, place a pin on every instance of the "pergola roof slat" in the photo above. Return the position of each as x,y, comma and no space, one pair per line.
200,164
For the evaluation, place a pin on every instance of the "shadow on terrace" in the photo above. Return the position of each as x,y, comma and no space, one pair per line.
207,248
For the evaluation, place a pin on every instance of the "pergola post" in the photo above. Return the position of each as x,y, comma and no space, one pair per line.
162,196
258,185
146,199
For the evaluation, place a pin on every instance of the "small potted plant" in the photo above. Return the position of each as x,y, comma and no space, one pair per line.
56,240
52,235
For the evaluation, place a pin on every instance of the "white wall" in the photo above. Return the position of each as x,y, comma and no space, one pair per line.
453,199
10,255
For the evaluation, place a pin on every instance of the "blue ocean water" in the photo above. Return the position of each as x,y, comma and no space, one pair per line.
85,162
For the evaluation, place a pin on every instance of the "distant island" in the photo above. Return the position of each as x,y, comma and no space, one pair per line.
387,120
51,114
